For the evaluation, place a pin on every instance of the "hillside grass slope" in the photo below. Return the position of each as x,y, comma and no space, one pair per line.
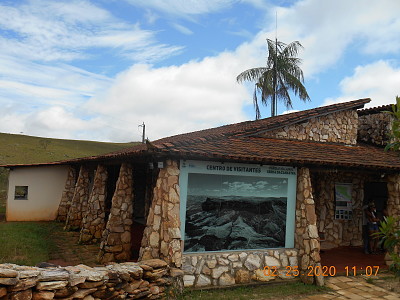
24,149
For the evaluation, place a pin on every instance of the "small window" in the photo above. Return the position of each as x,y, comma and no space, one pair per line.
21,193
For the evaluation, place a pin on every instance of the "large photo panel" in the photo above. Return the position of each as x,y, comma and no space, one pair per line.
227,206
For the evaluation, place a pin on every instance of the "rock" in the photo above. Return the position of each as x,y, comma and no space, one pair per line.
44,295
65,292
260,275
24,295
242,276
271,261
155,290
188,280
3,291
252,262
154,263
90,284
8,281
203,280
24,284
82,293
217,272
53,275
8,273
174,272
51,285
226,279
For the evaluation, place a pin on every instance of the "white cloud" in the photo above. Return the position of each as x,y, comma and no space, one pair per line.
48,31
182,29
176,99
327,28
184,8
378,81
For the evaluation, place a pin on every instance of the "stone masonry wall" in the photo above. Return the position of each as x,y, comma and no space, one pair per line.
245,267
338,232
374,128
67,195
79,201
151,279
162,235
116,238
306,234
339,127
393,203
93,222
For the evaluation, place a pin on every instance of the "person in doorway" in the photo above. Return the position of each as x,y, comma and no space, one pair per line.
365,231
372,223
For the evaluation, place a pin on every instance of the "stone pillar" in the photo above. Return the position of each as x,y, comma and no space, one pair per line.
67,195
116,238
93,222
79,201
306,235
393,202
162,236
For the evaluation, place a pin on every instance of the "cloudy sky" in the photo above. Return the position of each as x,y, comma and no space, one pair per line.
95,70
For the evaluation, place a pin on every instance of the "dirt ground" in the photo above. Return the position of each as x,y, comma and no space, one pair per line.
69,253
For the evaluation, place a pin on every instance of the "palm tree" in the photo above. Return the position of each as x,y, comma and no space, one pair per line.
281,74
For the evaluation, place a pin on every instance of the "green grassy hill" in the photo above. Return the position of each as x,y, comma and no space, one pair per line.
23,149
16,149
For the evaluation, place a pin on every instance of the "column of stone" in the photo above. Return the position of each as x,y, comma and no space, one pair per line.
93,222
306,236
393,205
79,201
393,202
67,195
116,238
162,236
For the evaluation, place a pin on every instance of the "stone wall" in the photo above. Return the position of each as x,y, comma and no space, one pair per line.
338,232
151,279
374,128
393,203
339,127
93,222
162,235
116,238
244,267
79,201
306,233
67,195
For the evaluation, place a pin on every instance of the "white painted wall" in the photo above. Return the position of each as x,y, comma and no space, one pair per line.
45,187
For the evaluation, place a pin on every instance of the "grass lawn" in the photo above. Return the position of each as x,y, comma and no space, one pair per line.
26,243
289,290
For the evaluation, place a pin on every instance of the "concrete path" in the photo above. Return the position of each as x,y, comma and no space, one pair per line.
353,288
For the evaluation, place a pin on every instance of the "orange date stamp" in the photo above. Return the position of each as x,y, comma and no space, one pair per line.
294,271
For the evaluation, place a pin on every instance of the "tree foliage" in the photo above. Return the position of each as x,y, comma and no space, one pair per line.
281,75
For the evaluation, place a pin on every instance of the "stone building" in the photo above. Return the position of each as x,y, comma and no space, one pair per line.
246,202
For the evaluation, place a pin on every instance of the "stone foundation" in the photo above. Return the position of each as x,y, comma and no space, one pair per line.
67,195
79,201
162,236
93,222
151,279
306,234
239,267
116,238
